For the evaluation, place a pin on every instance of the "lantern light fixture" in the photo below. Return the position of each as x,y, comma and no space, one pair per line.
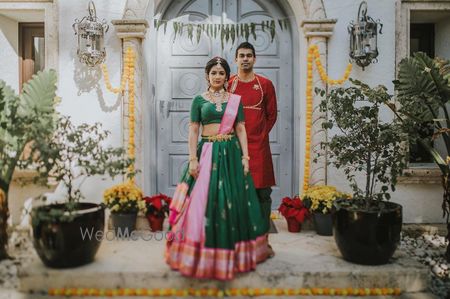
91,32
363,38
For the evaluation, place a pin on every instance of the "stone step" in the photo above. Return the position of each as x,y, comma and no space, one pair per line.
302,260
13,294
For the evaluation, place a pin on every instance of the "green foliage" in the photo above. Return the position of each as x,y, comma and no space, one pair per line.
76,152
423,88
364,143
24,118
71,155
423,94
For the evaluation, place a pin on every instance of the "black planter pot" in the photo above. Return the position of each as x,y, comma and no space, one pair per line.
123,223
69,244
323,224
368,238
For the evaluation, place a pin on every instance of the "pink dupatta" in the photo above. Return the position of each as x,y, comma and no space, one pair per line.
183,210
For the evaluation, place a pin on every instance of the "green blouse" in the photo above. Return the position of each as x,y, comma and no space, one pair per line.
205,112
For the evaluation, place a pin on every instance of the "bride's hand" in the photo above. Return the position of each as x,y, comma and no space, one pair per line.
193,168
245,165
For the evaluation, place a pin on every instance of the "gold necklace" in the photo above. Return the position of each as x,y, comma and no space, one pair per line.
217,98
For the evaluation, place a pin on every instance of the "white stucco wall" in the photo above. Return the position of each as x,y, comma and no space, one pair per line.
9,49
421,203
83,92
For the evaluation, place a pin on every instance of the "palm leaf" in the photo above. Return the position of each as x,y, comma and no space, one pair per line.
38,94
419,75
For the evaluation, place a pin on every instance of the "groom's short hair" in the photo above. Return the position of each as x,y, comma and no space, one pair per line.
245,45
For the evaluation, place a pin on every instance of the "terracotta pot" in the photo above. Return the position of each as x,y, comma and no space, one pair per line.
156,223
293,225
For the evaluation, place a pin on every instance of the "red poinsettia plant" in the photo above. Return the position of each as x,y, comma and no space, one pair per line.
157,205
293,208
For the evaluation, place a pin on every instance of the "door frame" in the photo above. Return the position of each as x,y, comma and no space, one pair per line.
25,30
150,110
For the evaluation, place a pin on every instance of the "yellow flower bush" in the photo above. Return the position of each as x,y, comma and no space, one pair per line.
320,198
124,198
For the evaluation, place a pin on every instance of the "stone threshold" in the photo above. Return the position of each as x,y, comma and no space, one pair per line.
302,260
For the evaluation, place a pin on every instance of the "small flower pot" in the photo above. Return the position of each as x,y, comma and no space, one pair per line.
156,223
293,225
123,223
323,224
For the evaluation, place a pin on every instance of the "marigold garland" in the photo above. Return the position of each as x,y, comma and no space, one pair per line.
127,77
314,56
214,292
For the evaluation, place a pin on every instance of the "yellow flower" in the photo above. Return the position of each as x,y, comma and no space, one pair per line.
123,196
322,197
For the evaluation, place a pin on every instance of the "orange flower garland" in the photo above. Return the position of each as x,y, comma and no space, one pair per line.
214,292
127,77
131,111
314,56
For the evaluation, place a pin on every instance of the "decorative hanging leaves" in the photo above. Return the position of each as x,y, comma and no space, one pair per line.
272,30
226,32
233,33
190,31
200,29
253,29
247,31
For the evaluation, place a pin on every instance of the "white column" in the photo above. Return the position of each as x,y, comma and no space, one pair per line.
132,33
317,32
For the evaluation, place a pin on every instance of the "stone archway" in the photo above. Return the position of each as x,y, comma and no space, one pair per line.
308,9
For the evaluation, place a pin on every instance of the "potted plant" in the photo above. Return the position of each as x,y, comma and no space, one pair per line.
124,200
423,95
65,233
366,228
157,208
294,211
23,118
319,201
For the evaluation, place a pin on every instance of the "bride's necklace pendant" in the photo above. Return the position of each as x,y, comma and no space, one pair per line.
219,106
217,98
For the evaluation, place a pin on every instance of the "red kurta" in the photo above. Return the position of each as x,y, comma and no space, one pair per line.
260,113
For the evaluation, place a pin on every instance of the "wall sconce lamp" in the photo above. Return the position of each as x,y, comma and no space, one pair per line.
91,50
363,38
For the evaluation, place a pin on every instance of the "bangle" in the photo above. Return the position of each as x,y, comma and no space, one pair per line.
246,158
193,159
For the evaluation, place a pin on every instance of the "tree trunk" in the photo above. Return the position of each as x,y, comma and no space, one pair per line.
4,214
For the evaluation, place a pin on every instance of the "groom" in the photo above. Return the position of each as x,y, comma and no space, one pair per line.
260,111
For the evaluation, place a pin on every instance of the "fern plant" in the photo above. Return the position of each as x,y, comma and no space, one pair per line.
423,95
23,118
